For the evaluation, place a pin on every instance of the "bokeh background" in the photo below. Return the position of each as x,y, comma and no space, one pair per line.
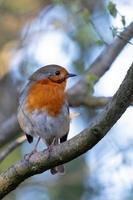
71,34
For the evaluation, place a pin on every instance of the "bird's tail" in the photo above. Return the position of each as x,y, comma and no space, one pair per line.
58,169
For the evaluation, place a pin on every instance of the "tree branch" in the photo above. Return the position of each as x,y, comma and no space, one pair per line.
73,148
8,149
101,64
107,57
91,101
9,130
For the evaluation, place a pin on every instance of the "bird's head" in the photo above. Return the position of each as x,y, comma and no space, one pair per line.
51,73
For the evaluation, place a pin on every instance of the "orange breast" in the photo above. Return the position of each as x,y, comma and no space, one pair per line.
44,95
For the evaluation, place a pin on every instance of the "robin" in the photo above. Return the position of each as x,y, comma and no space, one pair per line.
43,108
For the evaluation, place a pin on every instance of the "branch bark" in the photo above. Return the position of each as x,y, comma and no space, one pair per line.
73,148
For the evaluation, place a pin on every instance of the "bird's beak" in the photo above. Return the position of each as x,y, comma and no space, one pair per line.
70,75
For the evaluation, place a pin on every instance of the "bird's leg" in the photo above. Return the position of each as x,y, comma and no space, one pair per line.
50,145
36,145
27,156
54,142
59,168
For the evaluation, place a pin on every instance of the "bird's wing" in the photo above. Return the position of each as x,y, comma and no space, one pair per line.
23,93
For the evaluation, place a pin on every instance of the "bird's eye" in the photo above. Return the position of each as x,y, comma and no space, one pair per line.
57,73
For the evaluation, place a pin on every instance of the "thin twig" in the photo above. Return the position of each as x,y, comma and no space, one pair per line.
11,147
98,33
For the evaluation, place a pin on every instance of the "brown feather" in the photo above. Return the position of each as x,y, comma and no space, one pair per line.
46,95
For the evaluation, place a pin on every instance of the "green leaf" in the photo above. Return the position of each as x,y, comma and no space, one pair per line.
112,9
123,20
90,80
86,14
99,42
114,31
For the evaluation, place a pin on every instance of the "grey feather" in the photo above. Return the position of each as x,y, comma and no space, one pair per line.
44,72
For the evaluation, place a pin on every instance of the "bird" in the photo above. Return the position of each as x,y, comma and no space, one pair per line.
43,109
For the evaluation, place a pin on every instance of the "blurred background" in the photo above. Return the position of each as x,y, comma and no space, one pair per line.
71,34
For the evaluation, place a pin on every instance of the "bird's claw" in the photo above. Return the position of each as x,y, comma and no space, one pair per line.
28,156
